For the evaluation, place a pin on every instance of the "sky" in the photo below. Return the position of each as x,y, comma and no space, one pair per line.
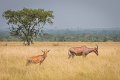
70,14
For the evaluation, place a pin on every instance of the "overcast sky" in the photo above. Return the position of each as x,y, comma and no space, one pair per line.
71,14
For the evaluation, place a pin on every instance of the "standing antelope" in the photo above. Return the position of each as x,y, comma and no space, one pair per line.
81,51
38,59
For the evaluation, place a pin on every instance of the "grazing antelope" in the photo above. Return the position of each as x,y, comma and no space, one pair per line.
38,59
81,51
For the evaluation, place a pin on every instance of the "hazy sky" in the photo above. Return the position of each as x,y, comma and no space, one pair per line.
71,14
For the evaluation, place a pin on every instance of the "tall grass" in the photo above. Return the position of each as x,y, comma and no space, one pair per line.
57,66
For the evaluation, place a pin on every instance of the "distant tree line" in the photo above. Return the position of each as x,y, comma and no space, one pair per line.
69,37
80,37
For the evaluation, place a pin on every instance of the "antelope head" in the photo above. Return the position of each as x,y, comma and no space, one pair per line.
45,52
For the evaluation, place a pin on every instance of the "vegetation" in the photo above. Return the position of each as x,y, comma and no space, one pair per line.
75,36
27,23
81,38
57,66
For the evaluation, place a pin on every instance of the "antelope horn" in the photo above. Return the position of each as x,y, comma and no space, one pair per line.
96,46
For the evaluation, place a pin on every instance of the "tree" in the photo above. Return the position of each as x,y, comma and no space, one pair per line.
26,24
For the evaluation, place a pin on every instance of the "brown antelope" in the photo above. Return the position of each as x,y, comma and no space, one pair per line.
38,59
81,51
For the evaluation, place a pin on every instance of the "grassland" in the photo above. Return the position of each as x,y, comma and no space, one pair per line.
57,66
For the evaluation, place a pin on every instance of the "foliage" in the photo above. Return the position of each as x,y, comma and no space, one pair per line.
26,24
83,37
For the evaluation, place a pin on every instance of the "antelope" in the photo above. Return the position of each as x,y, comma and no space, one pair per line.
38,59
81,51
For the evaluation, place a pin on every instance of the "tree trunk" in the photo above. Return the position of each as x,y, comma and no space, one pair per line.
32,42
28,43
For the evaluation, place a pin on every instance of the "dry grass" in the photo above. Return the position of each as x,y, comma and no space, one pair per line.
57,66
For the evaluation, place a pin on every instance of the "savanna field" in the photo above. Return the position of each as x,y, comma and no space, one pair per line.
57,66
